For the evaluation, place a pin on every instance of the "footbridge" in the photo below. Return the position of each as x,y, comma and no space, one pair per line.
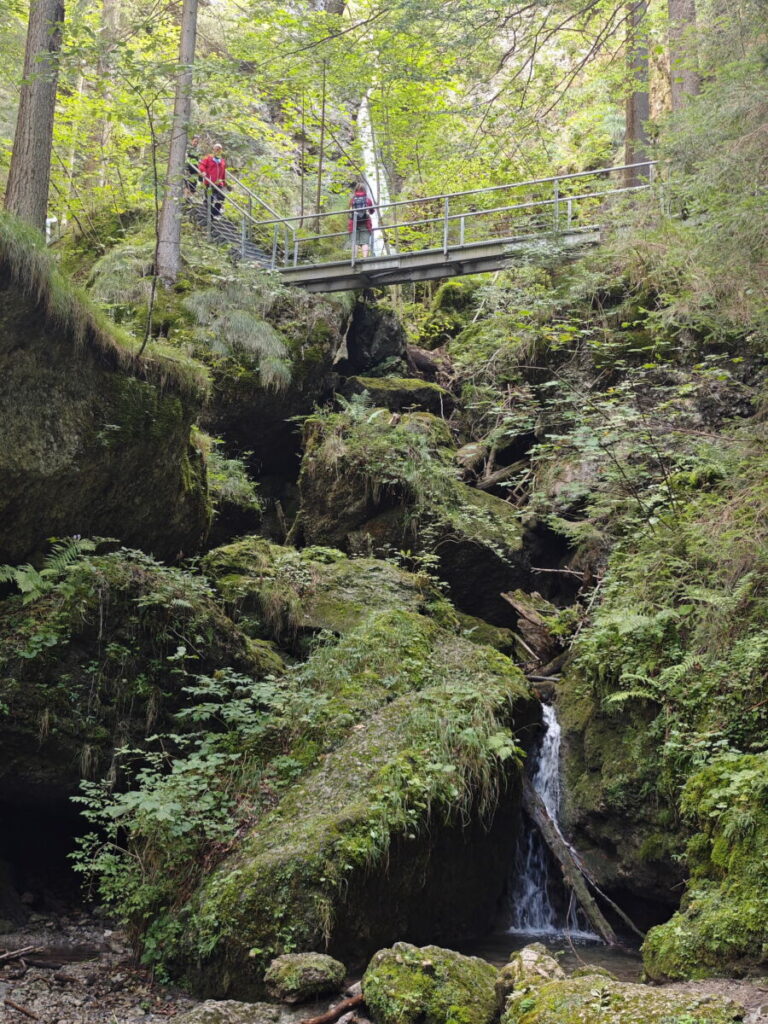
439,236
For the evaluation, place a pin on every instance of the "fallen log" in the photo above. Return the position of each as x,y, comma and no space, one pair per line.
500,475
17,954
335,1011
572,873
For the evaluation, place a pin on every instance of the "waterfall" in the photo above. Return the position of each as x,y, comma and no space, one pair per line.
375,179
532,910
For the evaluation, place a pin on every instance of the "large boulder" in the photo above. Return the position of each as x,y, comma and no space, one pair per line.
429,985
594,999
289,595
374,483
299,977
399,393
96,440
406,787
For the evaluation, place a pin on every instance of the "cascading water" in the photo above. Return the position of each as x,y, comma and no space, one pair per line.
532,910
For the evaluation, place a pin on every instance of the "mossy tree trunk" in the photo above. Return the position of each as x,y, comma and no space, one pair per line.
168,254
29,176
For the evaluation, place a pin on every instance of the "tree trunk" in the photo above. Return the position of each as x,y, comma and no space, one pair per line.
572,873
637,105
26,195
320,157
168,253
683,56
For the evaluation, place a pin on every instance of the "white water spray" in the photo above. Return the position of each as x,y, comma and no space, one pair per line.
532,910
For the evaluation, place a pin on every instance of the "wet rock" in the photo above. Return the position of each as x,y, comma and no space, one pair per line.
428,985
299,977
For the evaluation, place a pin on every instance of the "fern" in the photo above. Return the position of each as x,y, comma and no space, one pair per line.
231,322
33,583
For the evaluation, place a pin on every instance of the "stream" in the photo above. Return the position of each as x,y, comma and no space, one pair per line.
538,907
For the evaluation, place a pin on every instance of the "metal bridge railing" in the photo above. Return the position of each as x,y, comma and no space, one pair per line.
458,219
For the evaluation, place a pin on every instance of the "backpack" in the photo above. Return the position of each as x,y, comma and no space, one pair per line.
360,205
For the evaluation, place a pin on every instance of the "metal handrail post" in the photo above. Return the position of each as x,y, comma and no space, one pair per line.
208,198
445,226
242,237
569,203
461,230
274,248
556,189
295,251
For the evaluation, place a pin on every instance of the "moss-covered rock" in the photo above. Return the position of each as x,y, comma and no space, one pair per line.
408,761
398,393
370,484
100,660
294,593
429,985
529,966
722,926
96,441
298,977
594,999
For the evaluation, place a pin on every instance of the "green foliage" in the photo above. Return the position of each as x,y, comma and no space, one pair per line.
722,921
33,583
231,324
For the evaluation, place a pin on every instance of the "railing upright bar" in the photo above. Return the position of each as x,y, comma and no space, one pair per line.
445,225
242,237
556,190
273,262
462,221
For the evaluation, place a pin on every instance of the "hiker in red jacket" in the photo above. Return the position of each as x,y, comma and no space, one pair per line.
213,170
360,224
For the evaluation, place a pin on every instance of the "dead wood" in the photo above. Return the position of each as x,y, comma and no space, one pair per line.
335,1011
500,475
17,954
21,1009
573,874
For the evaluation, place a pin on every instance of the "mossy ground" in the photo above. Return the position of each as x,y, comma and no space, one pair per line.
593,999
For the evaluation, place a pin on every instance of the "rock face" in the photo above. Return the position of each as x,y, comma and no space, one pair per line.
611,809
373,335
95,440
594,999
299,977
429,985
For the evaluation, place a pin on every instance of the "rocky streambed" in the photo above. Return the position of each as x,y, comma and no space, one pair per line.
75,969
